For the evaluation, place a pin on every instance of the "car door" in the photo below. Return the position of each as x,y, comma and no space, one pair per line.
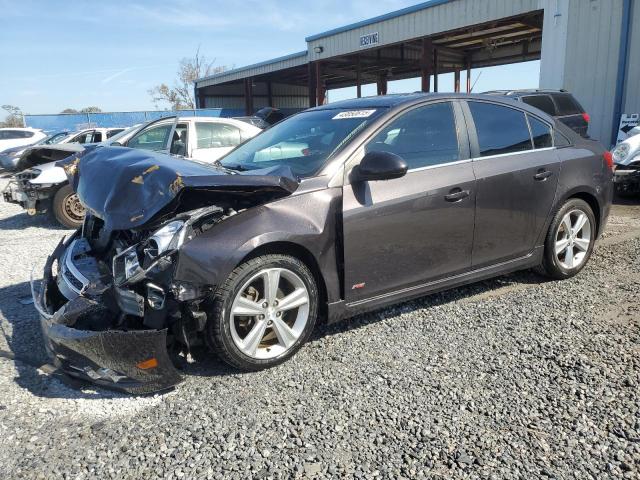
419,227
154,137
214,140
517,177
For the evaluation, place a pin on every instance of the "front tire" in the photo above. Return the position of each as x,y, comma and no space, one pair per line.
67,208
570,240
263,313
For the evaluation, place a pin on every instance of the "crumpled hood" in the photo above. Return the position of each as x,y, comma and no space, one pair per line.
41,154
127,188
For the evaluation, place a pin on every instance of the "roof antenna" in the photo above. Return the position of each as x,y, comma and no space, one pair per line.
474,83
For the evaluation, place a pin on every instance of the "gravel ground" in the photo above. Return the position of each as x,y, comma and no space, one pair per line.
509,378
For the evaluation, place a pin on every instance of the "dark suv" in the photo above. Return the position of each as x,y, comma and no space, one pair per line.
557,103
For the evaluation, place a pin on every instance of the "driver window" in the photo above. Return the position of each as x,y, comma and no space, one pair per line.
423,137
153,138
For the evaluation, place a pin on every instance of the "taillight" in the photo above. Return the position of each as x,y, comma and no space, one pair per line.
608,159
586,117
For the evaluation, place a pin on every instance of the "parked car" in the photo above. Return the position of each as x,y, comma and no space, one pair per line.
557,103
9,157
42,186
200,138
16,137
393,197
25,155
626,156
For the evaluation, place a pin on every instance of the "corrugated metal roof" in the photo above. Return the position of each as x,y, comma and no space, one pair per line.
379,18
253,66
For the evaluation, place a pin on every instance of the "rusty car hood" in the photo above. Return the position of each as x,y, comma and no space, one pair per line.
128,188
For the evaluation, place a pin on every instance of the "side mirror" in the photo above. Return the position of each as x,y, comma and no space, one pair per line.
379,166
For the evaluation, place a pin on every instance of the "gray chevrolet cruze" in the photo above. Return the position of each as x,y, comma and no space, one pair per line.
332,212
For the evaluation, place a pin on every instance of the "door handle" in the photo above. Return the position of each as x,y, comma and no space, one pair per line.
456,195
542,174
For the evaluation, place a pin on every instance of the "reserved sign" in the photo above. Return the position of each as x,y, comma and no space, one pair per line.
369,39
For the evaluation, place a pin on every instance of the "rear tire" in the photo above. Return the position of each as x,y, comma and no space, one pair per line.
67,209
569,241
263,313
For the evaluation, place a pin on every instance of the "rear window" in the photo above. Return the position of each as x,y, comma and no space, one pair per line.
566,104
560,139
540,132
13,134
542,102
500,129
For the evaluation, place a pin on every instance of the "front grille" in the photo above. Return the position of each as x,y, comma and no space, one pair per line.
69,277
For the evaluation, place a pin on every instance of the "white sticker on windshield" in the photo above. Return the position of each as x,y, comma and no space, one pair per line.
354,114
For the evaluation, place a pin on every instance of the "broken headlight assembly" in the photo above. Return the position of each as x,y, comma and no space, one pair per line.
168,238
131,265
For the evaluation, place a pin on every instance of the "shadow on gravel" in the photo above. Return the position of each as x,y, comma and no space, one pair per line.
28,353
22,221
27,346
464,293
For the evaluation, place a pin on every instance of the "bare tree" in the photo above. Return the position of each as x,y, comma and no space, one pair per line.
15,117
180,96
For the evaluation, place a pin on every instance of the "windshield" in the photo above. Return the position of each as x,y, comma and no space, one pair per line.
303,142
55,138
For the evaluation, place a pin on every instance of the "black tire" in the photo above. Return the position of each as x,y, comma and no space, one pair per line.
551,266
218,334
62,211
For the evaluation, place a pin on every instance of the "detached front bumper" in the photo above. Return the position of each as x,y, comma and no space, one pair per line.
134,361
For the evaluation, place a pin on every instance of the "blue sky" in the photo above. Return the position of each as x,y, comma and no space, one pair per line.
73,54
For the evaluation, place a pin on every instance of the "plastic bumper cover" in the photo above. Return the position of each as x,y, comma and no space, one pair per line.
133,361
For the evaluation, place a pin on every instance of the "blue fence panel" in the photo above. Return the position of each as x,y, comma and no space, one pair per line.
79,121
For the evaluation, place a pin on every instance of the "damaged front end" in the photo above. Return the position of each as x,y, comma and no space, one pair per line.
110,306
20,190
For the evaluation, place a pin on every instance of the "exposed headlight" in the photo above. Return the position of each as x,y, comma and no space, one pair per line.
131,263
621,152
169,237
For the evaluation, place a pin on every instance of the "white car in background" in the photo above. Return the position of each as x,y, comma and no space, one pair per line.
200,138
12,159
16,137
42,186
626,156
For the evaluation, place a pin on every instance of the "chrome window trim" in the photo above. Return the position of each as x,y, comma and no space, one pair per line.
430,167
475,159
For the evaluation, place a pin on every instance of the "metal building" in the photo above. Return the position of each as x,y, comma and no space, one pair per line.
589,47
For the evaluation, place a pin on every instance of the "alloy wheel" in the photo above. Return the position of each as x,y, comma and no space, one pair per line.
573,239
269,313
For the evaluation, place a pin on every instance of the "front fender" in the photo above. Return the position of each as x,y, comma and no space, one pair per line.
308,220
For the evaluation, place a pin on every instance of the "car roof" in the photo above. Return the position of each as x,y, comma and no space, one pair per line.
405,99
526,92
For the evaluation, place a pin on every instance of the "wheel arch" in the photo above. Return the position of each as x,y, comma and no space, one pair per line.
592,201
305,256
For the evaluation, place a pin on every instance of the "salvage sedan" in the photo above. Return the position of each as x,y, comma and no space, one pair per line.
335,211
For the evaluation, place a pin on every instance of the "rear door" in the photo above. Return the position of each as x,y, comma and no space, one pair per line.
407,231
214,140
516,176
